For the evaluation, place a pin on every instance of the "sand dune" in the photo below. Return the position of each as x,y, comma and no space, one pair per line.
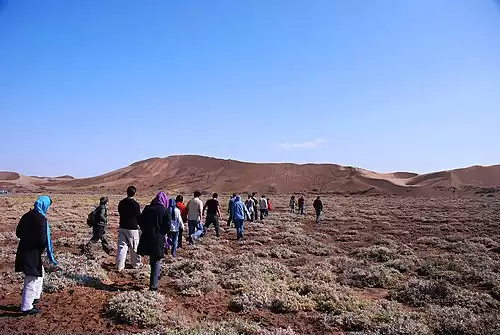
189,172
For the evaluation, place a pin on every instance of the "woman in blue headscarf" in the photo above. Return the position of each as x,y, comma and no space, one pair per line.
34,233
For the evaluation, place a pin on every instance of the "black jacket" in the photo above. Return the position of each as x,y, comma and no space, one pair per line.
32,230
155,223
318,205
101,216
130,211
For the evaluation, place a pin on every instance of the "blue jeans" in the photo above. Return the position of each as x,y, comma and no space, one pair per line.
154,277
192,225
174,242
239,224
318,216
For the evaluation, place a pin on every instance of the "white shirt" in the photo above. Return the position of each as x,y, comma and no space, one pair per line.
263,203
195,206
178,218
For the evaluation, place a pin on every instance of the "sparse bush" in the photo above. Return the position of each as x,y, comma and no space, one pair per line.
403,265
374,276
377,253
282,252
458,320
140,308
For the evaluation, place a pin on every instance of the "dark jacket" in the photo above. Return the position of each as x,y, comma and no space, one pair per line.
101,215
155,223
318,205
129,211
32,230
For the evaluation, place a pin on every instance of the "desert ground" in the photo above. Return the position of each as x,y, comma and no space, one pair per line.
375,265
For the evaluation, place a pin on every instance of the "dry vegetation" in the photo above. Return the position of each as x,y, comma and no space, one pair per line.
378,265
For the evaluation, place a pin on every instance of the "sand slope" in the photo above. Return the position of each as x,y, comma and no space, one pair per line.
189,172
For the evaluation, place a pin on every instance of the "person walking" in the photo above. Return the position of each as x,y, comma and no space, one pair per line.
240,212
180,204
292,204
301,204
128,232
155,224
176,224
250,204
34,233
99,226
318,207
195,214
269,207
263,207
212,208
230,209
255,206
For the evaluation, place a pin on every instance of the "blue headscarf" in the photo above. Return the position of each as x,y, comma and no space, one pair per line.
172,205
41,206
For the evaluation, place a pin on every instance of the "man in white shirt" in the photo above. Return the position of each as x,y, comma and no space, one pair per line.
263,207
195,213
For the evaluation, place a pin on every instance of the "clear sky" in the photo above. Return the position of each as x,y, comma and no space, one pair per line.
90,86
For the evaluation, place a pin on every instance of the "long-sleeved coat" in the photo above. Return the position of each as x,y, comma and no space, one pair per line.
32,230
155,223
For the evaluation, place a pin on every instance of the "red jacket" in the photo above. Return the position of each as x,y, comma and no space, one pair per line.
269,208
184,213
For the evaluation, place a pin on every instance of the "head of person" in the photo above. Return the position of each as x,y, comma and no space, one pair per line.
131,191
237,198
172,205
293,197
179,198
197,194
160,199
215,195
234,195
249,196
317,198
254,194
42,204
103,201
263,196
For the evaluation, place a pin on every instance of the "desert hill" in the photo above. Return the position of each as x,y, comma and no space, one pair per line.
189,172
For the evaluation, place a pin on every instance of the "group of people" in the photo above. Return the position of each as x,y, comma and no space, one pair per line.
155,231
301,202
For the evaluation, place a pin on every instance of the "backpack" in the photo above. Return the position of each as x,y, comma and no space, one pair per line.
91,218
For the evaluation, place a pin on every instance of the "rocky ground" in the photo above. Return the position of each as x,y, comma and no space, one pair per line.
377,265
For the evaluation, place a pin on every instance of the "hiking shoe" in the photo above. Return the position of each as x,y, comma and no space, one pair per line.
32,311
36,301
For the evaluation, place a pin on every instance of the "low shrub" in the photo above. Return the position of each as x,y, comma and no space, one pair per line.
373,276
142,308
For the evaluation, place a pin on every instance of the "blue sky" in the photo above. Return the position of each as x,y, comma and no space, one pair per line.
91,86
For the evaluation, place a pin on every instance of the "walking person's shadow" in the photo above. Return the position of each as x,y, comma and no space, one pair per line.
10,311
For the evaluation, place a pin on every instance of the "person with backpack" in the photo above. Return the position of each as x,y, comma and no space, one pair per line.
99,224
128,232
230,210
195,214
240,212
263,207
318,207
255,205
292,204
180,204
176,224
301,204
33,231
213,214
155,224
250,206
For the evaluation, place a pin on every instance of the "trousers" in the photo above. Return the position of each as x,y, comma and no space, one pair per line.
154,276
32,289
128,240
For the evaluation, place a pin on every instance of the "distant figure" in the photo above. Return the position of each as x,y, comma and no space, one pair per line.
155,224
269,207
128,233
250,204
255,206
301,204
195,214
180,204
99,226
176,224
318,207
263,207
34,233
292,204
230,209
240,212
213,214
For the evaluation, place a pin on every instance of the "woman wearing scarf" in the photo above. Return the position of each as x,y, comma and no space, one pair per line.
176,224
34,233
155,224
